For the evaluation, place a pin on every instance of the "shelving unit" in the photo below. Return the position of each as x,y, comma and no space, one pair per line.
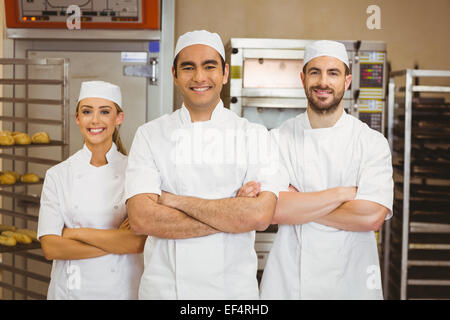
34,98
417,250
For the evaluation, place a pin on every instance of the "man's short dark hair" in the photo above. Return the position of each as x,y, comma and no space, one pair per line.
176,60
347,70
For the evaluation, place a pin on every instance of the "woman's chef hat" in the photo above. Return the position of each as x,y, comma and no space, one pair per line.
326,48
200,37
100,89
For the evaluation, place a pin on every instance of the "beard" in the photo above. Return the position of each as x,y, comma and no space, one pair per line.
318,105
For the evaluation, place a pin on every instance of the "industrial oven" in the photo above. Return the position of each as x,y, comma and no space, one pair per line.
265,87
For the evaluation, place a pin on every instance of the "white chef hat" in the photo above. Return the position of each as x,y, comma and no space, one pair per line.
200,37
100,89
326,48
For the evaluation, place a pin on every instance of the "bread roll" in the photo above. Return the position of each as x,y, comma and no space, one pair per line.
15,174
6,140
29,178
7,178
8,241
31,233
21,138
5,227
21,238
40,137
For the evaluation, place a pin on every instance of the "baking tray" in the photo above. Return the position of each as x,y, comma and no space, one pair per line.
20,183
428,211
20,247
51,144
437,135
439,153
430,192
431,107
427,169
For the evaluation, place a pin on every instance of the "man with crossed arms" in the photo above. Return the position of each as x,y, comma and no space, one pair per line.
184,170
325,247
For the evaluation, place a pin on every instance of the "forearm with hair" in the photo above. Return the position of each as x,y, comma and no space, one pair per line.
148,217
234,215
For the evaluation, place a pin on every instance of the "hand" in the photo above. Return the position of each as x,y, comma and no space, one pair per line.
165,198
68,233
250,190
292,188
125,225
348,193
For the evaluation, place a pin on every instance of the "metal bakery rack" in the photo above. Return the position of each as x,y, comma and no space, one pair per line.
417,245
34,98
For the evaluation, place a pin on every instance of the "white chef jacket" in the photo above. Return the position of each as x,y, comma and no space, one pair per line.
211,160
313,261
78,195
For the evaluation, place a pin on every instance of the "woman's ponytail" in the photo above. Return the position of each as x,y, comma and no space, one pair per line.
116,135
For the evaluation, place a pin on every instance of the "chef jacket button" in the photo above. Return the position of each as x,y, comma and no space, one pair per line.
113,270
116,207
116,177
76,207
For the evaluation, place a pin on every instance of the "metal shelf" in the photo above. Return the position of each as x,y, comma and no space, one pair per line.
20,183
424,227
418,246
22,291
10,213
32,101
31,120
28,159
423,282
18,247
21,196
31,81
53,143
438,263
21,97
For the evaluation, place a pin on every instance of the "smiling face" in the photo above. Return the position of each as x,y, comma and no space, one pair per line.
97,119
200,76
325,82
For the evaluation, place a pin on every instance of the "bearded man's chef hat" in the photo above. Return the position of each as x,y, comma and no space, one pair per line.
100,89
200,37
326,48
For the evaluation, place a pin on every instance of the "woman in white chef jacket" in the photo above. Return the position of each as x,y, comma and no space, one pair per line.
83,224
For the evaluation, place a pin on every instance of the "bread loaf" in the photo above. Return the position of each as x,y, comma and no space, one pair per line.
7,178
6,140
29,178
21,138
21,238
40,137
8,241
31,233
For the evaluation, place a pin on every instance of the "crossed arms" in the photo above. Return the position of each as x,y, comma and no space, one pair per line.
85,243
335,207
178,217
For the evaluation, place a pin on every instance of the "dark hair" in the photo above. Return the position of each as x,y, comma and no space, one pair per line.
347,70
176,60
